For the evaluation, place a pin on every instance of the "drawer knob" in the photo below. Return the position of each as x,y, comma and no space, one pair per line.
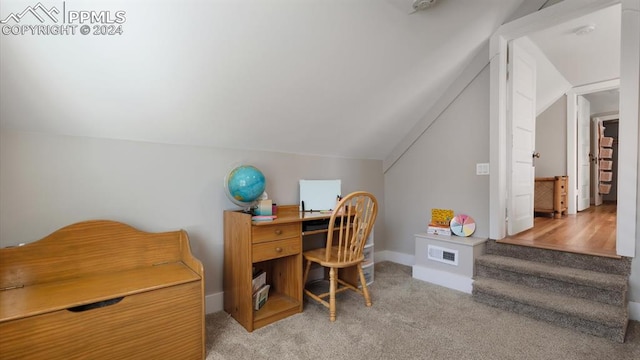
278,249
278,231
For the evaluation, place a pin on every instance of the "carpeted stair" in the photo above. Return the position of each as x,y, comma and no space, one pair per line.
587,293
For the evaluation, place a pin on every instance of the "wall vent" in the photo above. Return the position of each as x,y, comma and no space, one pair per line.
447,256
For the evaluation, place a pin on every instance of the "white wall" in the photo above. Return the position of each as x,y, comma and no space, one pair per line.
50,181
439,170
550,84
551,140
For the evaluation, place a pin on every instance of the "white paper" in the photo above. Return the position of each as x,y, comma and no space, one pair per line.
319,195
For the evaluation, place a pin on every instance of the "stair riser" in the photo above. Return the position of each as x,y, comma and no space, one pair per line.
594,263
616,333
612,297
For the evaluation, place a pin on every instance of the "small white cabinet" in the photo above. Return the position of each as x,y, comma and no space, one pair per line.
447,260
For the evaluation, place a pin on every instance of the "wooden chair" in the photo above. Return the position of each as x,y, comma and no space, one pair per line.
349,227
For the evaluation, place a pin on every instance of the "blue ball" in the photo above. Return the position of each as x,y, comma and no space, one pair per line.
245,184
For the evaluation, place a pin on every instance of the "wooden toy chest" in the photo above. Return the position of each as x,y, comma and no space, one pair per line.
102,290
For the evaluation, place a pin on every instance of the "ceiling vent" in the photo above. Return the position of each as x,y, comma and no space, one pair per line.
422,4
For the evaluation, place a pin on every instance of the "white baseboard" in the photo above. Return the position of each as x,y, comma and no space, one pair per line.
214,303
443,278
634,310
396,257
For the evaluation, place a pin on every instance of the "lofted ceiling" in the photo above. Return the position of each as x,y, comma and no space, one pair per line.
345,78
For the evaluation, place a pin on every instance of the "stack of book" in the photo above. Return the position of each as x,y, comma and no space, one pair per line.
260,297
260,289
440,219
436,229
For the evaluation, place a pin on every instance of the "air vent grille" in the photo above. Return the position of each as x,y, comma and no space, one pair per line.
447,256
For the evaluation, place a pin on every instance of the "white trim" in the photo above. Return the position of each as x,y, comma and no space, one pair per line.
443,278
627,180
572,136
613,116
634,310
214,303
396,257
563,11
498,140
628,129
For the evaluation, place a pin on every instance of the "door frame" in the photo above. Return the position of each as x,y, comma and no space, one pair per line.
572,136
629,91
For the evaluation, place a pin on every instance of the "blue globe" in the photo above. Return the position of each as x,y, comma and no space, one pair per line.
244,185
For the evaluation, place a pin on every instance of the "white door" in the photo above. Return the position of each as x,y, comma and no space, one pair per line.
596,129
584,148
521,117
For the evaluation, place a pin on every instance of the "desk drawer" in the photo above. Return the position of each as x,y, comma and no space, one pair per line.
276,249
274,232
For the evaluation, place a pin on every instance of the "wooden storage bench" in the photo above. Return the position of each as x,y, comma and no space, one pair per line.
102,290
551,196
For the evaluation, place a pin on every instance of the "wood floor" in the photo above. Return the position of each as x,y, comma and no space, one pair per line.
592,231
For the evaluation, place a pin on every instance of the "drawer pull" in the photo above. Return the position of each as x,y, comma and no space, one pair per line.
96,305
278,231
278,249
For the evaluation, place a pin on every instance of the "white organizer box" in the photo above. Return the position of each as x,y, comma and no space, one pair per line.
367,265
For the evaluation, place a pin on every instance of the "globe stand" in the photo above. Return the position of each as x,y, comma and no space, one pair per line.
249,210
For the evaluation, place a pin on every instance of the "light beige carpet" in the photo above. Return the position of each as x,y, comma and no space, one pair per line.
409,319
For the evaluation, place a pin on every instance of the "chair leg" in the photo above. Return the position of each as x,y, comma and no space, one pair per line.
332,294
365,290
306,274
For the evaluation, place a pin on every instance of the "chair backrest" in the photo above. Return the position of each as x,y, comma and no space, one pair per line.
350,225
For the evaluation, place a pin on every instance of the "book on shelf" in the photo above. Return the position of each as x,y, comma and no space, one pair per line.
260,297
259,279
436,229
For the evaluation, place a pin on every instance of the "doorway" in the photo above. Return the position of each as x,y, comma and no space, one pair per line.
629,98
593,230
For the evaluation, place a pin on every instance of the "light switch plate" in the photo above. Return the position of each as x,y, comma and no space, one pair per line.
482,169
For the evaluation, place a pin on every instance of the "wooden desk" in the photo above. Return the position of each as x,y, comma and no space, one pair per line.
273,246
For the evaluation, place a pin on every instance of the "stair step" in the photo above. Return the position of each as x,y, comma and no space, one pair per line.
586,284
591,317
621,266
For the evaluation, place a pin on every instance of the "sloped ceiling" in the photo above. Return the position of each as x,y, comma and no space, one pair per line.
345,78
588,58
